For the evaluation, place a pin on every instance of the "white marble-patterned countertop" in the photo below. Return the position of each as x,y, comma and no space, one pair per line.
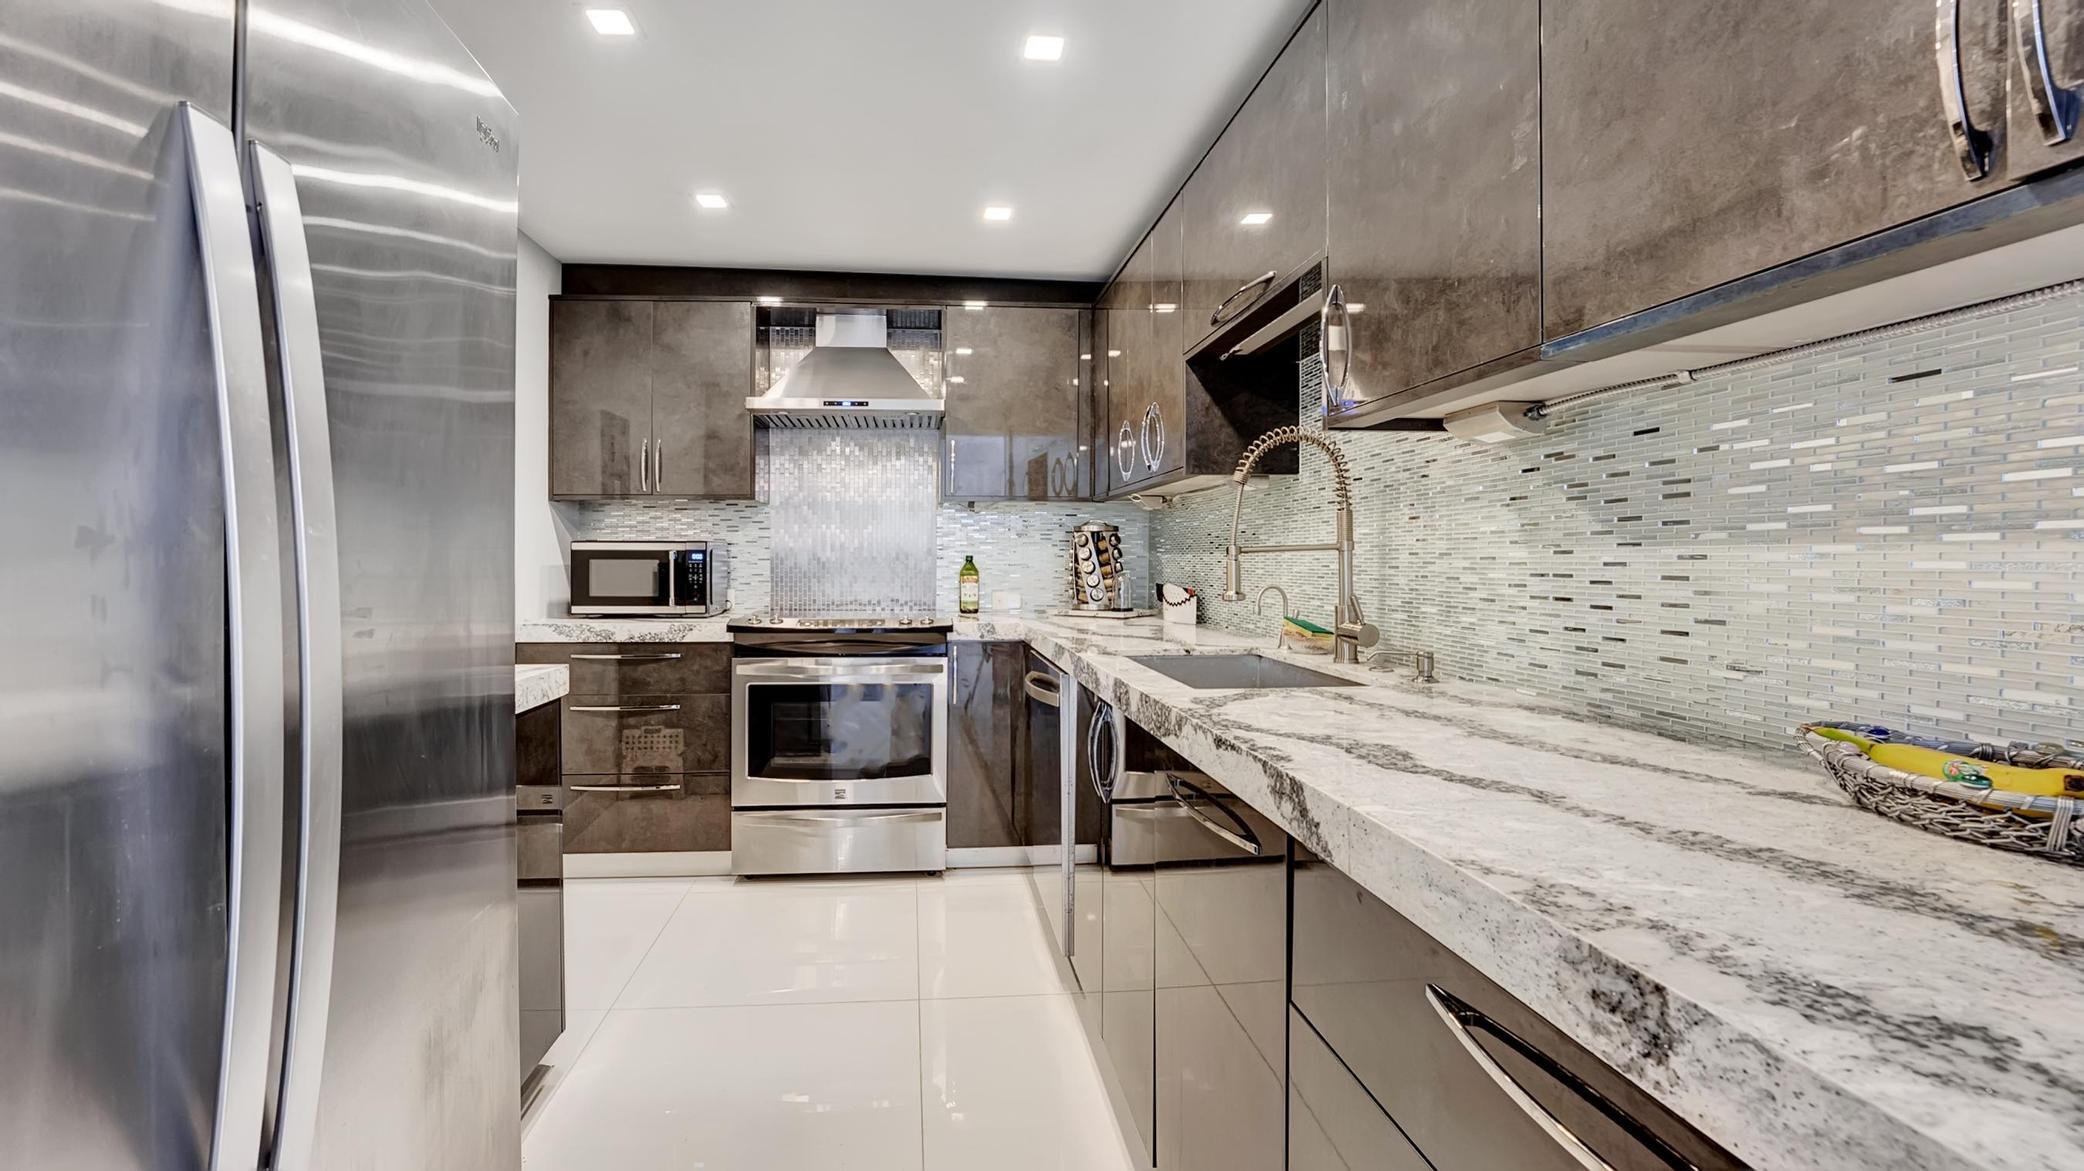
622,630
538,684
1813,985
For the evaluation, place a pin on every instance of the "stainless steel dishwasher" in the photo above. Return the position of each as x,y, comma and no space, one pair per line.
1222,962
1471,1077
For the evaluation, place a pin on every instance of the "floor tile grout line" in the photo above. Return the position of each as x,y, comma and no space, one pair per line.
919,1010
624,987
838,1003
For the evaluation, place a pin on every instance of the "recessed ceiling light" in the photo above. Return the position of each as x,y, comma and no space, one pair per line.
611,22
974,304
997,213
955,378
1085,357
1114,353
1164,307
712,200
964,351
1042,48
1255,218
770,300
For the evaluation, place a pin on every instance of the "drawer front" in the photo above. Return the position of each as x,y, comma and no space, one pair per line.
637,668
607,735
647,814
838,841
1496,1087
1333,1125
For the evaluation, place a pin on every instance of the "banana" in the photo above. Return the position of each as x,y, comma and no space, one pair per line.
1930,762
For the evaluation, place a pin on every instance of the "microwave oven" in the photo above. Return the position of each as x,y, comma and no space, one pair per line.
679,579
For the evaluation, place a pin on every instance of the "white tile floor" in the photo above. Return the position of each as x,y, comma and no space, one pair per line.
888,1023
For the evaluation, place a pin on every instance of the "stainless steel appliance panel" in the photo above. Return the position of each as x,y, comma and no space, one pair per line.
838,841
1222,895
1045,769
539,841
115,705
404,160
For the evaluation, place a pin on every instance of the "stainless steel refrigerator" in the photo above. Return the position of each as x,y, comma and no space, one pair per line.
256,610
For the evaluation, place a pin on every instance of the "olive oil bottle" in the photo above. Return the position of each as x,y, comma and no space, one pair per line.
968,586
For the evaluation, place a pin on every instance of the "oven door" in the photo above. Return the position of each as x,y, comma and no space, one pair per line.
839,731
617,579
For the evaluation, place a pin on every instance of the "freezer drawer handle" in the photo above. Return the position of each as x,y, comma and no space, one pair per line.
647,657
254,647
1971,145
668,788
1461,1019
628,707
317,554
2054,107
1243,837
1042,688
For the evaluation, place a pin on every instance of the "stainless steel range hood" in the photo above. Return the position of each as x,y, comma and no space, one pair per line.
848,379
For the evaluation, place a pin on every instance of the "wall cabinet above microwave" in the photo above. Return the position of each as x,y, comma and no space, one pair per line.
647,398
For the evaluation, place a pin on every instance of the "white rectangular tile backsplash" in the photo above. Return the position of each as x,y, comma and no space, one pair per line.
1889,531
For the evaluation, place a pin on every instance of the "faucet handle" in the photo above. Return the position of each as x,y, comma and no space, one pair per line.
1360,634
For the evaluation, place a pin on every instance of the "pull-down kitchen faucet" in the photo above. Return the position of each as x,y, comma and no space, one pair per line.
1350,630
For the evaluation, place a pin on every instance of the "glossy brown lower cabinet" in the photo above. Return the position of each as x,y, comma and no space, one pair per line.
645,753
1333,1125
1475,1080
646,814
985,706
1221,955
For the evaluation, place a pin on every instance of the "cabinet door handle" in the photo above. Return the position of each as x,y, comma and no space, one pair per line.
658,466
648,657
1224,312
1122,446
668,788
1242,837
626,707
1971,145
644,467
1334,336
1042,688
1464,1021
2054,107
1152,442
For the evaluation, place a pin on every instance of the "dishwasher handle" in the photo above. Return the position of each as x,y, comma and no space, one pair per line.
1464,1021
1242,837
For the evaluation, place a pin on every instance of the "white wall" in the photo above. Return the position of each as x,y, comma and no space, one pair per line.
540,586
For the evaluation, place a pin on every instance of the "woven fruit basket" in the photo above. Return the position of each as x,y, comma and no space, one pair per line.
1962,801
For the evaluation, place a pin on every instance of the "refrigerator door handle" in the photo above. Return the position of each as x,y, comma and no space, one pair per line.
253,636
317,554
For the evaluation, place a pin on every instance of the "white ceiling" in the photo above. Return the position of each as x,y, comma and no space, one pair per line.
865,135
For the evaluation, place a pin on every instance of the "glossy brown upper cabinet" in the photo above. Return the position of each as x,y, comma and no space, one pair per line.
1687,143
1013,420
1253,212
1433,124
647,398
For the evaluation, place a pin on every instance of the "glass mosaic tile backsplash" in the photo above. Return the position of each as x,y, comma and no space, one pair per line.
1020,547
1890,531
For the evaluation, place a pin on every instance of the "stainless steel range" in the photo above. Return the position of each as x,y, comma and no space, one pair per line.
839,745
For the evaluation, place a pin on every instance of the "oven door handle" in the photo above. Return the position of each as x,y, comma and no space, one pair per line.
838,670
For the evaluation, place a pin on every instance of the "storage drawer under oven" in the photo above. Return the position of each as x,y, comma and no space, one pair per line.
837,841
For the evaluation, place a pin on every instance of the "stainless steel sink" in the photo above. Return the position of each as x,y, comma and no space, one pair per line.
1209,672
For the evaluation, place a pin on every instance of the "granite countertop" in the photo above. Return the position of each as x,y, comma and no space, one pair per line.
536,685
1813,985
622,629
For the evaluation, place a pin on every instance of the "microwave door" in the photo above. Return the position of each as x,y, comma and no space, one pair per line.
620,582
